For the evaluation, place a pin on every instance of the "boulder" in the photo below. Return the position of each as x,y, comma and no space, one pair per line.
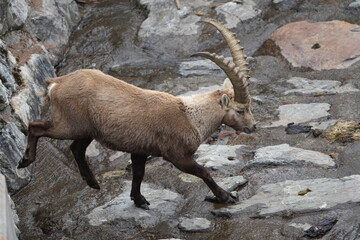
52,21
12,146
164,204
13,14
238,11
303,86
317,46
297,197
286,155
301,113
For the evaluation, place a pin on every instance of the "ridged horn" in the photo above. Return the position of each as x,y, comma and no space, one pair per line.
233,72
240,79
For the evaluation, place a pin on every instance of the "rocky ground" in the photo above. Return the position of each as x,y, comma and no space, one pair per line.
304,68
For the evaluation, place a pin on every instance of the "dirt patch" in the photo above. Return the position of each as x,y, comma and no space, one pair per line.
343,132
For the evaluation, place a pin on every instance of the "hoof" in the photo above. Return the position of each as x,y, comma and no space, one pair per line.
141,203
24,163
94,185
230,199
143,206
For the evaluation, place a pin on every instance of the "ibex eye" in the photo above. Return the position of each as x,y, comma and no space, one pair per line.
240,111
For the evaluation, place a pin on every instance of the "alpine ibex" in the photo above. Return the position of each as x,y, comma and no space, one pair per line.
88,104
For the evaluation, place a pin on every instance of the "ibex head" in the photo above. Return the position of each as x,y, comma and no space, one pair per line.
237,103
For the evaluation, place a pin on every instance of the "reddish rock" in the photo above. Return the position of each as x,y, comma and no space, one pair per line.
317,46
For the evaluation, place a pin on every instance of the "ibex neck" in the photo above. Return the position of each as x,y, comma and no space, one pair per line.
205,112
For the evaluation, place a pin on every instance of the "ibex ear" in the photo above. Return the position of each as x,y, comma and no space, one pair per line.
227,84
225,100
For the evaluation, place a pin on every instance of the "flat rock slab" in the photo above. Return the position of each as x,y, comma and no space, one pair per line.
163,204
301,113
303,86
218,156
317,46
285,155
283,199
195,225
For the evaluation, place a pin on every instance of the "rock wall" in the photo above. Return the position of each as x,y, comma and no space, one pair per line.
33,36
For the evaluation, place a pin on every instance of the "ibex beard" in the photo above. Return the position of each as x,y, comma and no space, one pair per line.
88,105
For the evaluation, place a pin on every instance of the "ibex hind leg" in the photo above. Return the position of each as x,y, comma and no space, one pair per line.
35,131
78,148
138,168
188,165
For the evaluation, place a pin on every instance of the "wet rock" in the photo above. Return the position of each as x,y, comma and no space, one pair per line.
12,146
321,228
317,46
216,157
52,21
282,199
236,12
355,4
286,155
195,225
163,205
28,104
301,113
309,87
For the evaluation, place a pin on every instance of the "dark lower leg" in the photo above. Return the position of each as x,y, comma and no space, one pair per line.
192,167
78,148
138,167
35,131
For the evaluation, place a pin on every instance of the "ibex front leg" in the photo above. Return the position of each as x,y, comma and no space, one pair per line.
138,168
35,131
190,166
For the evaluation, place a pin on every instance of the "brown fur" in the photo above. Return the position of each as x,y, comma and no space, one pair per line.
88,104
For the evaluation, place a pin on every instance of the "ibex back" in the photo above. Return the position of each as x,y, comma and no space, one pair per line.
88,105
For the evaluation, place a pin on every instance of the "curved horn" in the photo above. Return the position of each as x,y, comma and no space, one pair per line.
233,72
241,80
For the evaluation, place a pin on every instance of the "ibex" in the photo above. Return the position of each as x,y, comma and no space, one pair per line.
88,105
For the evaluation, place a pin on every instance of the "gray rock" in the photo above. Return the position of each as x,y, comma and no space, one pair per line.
164,204
285,155
28,104
168,30
9,218
301,113
283,199
13,14
195,225
53,21
6,76
231,183
4,101
305,86
216,156
17,13
323,125
355,4
12,146
235,12
199,68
